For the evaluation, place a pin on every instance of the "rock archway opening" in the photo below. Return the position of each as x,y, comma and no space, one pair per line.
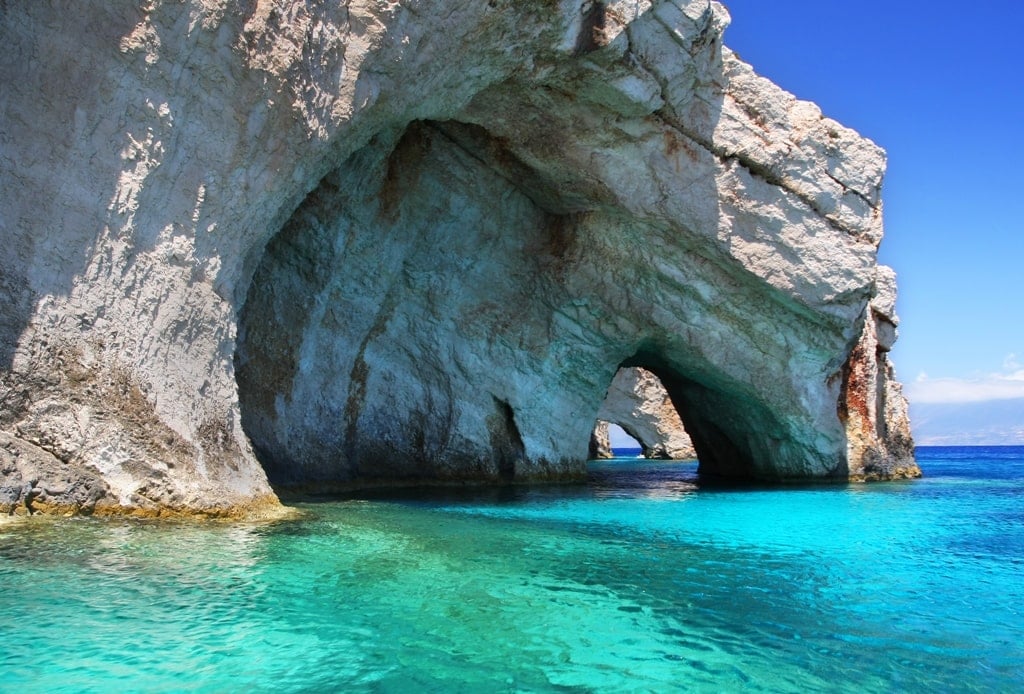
638,407
430,312
405,324
609,440
679,411
622,443
440,305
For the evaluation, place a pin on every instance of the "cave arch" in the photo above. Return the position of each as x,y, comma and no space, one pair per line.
731,434
734,434
441,309
368,329
520,244
637,402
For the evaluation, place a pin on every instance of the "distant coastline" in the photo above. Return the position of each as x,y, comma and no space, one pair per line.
933,446
636,452
985,423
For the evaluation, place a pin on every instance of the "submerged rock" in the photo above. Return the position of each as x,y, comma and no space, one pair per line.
380,241
637,402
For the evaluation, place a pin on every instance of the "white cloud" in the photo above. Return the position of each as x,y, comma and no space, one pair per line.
998,386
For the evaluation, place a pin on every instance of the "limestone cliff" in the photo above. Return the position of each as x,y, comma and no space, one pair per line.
637,402
418,239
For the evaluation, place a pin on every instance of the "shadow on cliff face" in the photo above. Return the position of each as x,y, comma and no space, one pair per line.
15,297
520,254
731,435
451,267
397,323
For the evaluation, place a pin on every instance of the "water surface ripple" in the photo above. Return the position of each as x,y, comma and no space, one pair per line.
641,580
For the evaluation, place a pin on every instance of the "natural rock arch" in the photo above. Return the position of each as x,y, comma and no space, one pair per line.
637,402
496,281
674,211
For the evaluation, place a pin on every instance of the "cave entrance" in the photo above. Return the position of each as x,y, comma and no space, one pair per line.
638,419
399,327
434,309
622,444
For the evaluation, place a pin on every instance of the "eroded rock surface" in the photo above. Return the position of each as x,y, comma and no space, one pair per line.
637,402
601,441
417,240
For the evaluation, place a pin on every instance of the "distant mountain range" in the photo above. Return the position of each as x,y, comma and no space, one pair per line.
988,423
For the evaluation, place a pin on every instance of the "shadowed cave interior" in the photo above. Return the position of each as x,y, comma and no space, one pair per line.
440,310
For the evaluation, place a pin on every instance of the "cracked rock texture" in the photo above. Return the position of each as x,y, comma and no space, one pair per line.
638,403
392,240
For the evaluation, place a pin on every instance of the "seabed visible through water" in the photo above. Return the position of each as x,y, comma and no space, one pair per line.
638,581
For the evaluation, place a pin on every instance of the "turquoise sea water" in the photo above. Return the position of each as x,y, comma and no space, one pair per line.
639,581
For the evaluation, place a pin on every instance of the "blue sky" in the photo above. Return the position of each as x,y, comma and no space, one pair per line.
940,86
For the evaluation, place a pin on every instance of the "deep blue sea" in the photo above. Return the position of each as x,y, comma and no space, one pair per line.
639,581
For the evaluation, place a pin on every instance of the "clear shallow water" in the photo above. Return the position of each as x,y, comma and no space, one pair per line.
639,581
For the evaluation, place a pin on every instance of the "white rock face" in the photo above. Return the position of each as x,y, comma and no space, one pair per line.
638,403
418,240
